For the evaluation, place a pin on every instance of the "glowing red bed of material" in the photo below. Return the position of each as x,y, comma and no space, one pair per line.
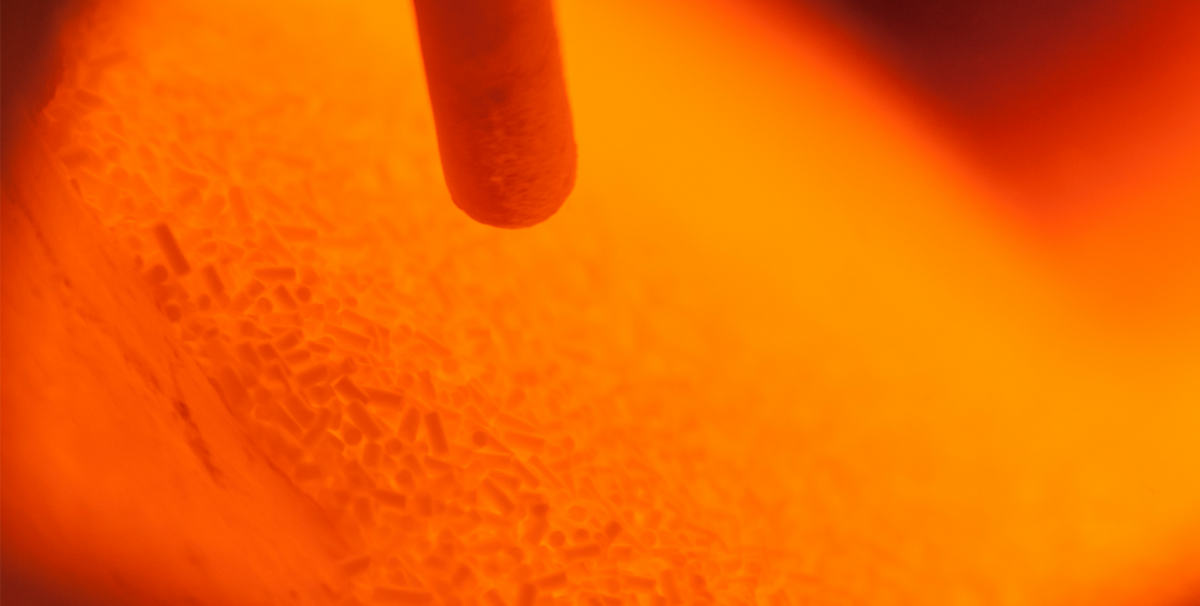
783,345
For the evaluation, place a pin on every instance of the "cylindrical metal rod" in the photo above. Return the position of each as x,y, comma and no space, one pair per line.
500,106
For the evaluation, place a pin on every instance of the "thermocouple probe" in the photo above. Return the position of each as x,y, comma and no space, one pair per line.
500,107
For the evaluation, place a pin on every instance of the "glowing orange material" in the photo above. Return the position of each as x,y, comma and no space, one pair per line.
781,358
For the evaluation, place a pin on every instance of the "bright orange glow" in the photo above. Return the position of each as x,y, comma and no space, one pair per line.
784,344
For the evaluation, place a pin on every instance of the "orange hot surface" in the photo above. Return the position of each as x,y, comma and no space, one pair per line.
772,351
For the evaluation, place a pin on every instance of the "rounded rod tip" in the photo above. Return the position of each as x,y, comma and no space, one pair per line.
500,107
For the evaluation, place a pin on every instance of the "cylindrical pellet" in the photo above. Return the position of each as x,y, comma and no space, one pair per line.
171,250
500,105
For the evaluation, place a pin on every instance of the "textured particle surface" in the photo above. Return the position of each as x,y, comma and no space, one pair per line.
609,410
442,393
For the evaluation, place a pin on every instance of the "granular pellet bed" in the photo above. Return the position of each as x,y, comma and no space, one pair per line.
465,406
773,350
